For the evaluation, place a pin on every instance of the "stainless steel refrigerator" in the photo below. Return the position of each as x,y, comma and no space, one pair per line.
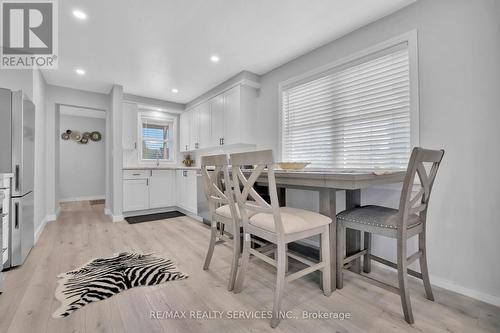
17,155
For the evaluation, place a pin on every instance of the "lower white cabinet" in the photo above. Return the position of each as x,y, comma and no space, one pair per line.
135,194
186,190
151,189
162,189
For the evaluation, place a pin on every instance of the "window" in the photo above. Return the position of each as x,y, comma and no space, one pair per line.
157,139
356,115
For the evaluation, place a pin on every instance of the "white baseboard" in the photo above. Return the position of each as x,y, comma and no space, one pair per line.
53,217
87,198
39,231
453,286
107,211
117,218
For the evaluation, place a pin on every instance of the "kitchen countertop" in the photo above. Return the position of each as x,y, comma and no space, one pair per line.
173,167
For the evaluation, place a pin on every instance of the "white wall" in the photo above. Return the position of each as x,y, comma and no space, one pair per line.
40,186
82,166
57,96
459,73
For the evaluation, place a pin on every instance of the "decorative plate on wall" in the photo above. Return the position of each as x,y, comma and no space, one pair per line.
95,136
84,140
75,136
65,136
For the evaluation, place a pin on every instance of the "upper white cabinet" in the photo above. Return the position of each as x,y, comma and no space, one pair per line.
216,105
203,125
225,119
129,119
184,132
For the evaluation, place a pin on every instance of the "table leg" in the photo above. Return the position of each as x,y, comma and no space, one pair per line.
282,196
328,207
353,237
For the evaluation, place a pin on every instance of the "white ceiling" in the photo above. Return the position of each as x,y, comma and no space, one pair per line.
152,46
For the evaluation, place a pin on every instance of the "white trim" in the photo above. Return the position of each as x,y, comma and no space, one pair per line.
41,227
88,198
409,37
453,286
242,82
53,217
67,110
117,218
157,115
107,211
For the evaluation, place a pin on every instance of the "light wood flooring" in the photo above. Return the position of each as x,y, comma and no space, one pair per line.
83,232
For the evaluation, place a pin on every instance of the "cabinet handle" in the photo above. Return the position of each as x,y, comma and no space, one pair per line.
17,177
222,140
16,215
184,173
136,174
147,182
135,145
196,145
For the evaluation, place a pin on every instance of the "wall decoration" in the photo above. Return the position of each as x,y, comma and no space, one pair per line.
83,138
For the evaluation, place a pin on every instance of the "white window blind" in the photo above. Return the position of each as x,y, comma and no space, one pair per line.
354,116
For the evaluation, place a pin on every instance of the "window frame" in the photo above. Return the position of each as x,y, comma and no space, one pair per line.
410,38
160,117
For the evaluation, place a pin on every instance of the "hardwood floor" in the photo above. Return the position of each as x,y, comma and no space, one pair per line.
83,232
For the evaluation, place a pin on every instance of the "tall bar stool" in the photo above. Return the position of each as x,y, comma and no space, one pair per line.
402,224
276,225
222,208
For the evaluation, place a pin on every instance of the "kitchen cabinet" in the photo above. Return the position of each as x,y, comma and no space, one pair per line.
135,194
186,190
225,119
203,111
216,120
184,132
162,189
193,116
130,129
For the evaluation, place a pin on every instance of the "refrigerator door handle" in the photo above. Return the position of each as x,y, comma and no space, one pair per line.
17,177
16,215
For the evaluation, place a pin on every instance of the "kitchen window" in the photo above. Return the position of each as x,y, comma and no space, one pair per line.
157,139
360,113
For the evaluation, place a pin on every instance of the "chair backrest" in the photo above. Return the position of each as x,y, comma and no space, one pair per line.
211,169
417,167
243,181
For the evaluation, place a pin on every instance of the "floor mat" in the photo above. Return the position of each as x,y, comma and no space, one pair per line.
153,217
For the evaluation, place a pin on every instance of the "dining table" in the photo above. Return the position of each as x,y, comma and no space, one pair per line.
327,183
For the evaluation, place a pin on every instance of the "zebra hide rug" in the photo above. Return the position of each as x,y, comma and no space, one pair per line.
104,277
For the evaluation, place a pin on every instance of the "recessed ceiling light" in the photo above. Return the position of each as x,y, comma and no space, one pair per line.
79,14
175,91
214,58
80,71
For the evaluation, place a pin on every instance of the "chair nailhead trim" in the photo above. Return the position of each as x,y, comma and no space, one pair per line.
367,223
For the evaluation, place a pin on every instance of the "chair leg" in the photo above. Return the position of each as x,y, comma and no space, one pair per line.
245,257
325,257
236,256
340,254
213,238
423,265
404,291
367,264
280,284
286,259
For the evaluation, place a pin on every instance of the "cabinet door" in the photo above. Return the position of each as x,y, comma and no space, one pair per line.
193,129
135,194
232,123
184,132
204,125
162,189
129,119
191,192
179,187
216,120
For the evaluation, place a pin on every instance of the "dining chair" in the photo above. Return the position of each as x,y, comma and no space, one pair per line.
277,225
403,223
222,209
